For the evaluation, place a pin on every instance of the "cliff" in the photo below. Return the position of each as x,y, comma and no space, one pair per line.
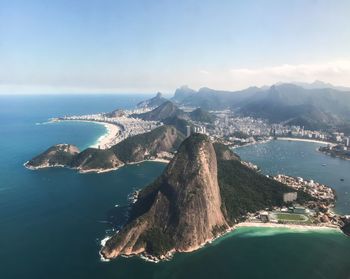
180,210
203,191
131,150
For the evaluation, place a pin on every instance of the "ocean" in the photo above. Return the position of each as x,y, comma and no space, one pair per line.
52,221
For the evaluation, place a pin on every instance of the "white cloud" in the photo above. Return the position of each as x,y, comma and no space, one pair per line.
204,72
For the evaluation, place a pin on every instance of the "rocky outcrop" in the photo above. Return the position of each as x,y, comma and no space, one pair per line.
153,102
143,146
180,211
201,115
133,149
92,159
164,111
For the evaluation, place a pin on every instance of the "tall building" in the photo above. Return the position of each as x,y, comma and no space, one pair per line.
188,131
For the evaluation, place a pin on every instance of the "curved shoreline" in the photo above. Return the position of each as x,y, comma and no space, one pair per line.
293,228
305,140
109,138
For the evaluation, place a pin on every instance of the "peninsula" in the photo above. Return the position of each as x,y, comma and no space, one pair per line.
156,144
203,193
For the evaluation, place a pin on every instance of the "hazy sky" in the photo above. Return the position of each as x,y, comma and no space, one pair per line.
147,46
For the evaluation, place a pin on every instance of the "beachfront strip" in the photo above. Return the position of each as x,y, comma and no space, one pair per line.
227,128
317,212
127,125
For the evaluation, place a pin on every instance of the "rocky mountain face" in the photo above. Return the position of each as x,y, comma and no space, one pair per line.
153,102
203,191
133,149
181,210
182,93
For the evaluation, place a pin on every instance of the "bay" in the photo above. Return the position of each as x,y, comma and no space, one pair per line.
52,221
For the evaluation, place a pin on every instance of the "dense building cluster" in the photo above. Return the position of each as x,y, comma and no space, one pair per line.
129,126
238,130
315,189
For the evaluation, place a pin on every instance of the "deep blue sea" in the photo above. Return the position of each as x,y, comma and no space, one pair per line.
52,221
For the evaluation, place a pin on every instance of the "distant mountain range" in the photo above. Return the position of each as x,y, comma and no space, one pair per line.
317,84
170,114
315,106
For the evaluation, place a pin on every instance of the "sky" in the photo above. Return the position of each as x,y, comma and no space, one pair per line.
145,46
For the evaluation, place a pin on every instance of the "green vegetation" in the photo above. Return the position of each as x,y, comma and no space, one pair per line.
244,190
157,241
202,115
133,148
55,155
224,153
322,108
179,123
165,110
92,158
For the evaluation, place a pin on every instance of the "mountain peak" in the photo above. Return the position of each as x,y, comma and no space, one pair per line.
180,211
165,110
153,102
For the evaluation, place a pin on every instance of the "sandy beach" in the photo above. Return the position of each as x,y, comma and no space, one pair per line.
109,138
106,140
306,140
289,226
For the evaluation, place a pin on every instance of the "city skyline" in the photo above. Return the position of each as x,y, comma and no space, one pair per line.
144,47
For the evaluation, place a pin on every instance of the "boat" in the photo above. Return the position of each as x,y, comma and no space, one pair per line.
341,179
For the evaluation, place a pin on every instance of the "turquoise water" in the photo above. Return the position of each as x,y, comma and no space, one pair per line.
51,221
302,159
